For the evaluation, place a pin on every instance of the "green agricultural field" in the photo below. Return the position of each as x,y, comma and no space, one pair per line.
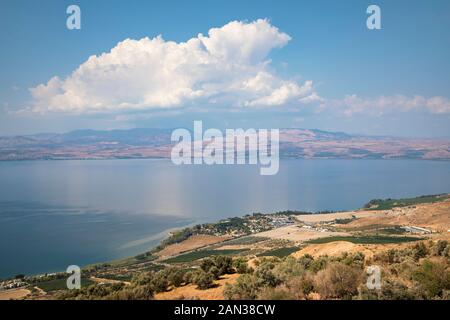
365,239
280,252
245,240
386,204
117,277
195,255
60,284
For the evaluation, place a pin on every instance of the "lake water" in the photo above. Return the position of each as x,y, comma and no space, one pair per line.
57,213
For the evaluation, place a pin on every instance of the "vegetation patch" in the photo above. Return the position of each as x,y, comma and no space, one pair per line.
376,239
195,255
60,284
387,204
280,252
245,240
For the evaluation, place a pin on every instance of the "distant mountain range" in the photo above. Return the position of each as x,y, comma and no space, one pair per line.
155,143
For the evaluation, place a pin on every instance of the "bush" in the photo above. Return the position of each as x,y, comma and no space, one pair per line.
137,293
432,279
207,264
305,261
224,264
176,277
265,275
278,293
241,266
142,279
188,277
301,286
245,288
352,259
420,251
318,264
215,272
287,269
338,281
439,248
203,280
159,281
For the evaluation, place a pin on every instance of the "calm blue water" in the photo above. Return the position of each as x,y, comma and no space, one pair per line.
57,213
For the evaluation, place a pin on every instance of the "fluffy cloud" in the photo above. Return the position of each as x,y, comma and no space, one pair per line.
353,104
227,68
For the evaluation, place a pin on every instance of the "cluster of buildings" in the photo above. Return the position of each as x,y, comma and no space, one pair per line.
413,229
314,228
11,284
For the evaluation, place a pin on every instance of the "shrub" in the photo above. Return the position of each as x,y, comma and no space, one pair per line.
241,266
176,277
305,261
301,286
318,264
439,248
245,288
142,279
420,251
278,293
287,269
159,281
207,264
338,281
215,272
137,293
265,274
224,264
188,277
203,280
432,279
353,259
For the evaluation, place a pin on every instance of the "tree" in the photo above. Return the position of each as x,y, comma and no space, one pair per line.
266,276
203,280
241,266
159,281
215,272
207,264
224,264
176,277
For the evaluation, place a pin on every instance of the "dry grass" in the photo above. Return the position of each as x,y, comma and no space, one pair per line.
190,291
194,242
328,217
14,294
434,216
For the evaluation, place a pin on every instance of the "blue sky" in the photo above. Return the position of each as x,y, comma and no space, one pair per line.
398,78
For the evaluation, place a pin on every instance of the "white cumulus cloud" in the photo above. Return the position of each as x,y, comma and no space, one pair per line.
229,67
352,105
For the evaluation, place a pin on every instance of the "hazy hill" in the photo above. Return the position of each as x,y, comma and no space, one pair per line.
155,143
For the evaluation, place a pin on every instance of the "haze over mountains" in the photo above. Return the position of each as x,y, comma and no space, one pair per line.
155,143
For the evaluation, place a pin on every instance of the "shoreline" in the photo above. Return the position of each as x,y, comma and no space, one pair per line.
168,233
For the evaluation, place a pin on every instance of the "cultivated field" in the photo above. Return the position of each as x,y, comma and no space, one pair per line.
298,234
433,216
329,217
194,242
